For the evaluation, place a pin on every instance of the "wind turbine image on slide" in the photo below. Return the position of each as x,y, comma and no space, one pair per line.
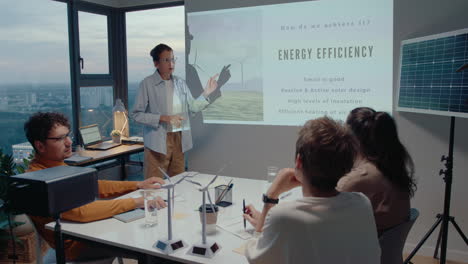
198,67
241,62
246,55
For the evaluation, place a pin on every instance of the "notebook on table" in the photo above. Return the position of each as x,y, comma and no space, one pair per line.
92,139
76,158
130,215
132,140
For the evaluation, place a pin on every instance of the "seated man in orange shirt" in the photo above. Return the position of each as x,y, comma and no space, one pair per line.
49,134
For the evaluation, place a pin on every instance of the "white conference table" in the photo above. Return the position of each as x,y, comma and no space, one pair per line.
134,236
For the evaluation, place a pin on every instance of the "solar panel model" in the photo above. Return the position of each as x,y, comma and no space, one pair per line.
433,76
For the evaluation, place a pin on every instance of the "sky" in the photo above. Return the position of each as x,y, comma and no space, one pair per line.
34,41
232,37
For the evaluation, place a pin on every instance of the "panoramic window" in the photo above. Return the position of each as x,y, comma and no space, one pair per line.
96,108
93,43
146,29
34,69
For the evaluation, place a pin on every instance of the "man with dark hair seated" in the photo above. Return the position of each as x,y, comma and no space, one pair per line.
325,226
49,134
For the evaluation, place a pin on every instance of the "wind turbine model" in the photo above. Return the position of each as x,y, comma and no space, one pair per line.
206,248
170,244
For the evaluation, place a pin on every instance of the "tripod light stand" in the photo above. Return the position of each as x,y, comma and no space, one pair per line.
431,82
445,217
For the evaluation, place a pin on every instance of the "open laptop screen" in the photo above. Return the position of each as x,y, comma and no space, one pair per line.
90,134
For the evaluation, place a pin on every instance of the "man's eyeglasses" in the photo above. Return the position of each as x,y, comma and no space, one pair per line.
62,138
173,60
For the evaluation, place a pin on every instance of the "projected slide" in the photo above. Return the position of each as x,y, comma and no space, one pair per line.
287,63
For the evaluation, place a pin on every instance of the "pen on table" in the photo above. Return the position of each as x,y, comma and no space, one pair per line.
243,205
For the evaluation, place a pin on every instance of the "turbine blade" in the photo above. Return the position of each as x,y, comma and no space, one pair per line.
192,175
212,180
194,182
222,168
165,174
179,181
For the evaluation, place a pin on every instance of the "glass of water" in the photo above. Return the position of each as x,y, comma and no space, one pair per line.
151,212
271,173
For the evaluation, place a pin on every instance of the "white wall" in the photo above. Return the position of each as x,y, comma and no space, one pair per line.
427,136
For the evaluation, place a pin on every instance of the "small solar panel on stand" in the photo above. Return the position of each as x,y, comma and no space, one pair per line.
433,74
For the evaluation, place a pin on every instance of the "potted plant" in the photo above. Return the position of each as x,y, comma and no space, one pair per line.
115,134
13,225
7,168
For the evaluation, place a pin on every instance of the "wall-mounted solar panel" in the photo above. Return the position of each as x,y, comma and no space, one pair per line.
431,77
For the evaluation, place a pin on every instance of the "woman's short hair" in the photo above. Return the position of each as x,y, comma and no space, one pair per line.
160,48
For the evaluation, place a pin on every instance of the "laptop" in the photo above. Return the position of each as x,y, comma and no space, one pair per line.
92,139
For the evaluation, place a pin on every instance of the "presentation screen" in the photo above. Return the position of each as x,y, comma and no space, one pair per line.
284,64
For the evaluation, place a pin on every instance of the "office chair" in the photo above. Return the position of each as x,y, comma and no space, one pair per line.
97,261
393,240
39,259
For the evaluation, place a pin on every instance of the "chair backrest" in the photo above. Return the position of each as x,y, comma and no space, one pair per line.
393,240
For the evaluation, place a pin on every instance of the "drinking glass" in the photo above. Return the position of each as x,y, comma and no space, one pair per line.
151,212
271,174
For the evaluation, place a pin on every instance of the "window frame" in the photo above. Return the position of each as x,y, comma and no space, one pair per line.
117,52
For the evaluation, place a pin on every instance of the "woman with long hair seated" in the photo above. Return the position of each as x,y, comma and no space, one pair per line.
384,170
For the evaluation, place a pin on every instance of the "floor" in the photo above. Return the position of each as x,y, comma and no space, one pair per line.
416,260
430,260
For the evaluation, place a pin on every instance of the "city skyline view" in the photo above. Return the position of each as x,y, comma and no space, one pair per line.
34,69
19,101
